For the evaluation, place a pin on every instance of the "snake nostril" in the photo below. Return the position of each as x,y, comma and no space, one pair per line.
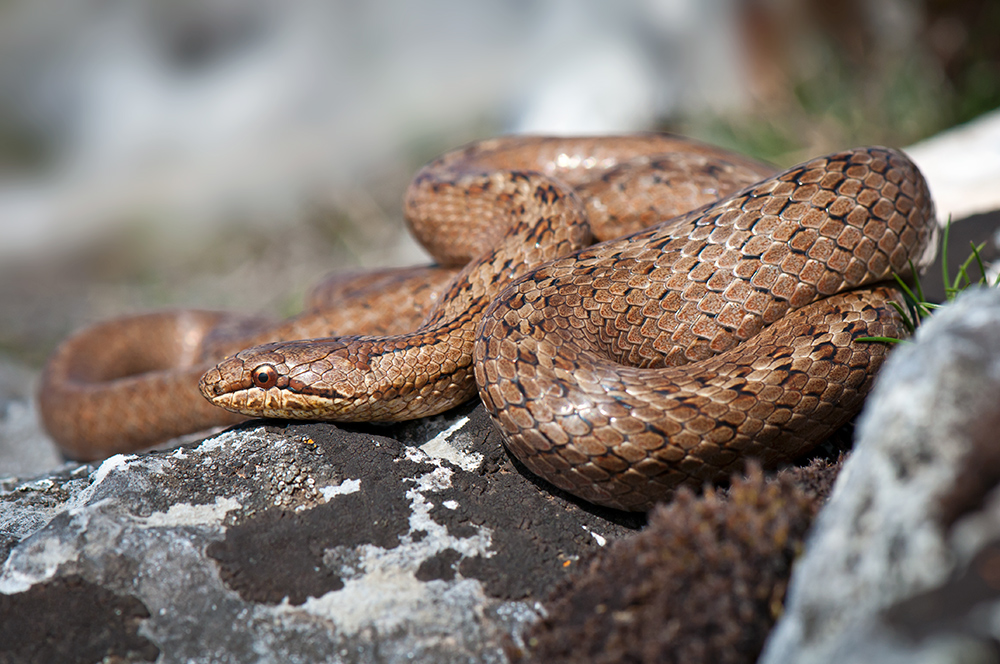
265,376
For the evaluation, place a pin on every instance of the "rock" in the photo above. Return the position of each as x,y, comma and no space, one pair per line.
962,165
904,563
290,542
25,449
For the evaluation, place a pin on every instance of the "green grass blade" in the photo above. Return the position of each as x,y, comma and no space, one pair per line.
944,258
884,340
979,261
916,282
907,322
963,273
906,289
916,305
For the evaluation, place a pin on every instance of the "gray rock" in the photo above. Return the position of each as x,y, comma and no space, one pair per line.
24,448
277,542
904,561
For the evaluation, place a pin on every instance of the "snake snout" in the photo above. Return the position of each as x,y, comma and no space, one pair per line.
226,377
211,383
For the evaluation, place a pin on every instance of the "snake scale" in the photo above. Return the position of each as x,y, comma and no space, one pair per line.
717,318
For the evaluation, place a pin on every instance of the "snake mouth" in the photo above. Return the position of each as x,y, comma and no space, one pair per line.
275,402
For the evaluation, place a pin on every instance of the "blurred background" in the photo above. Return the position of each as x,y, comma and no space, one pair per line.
227,153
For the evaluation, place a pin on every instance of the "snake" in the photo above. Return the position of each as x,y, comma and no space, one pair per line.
127,384
717,319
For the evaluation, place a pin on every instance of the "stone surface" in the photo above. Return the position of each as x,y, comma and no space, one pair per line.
962,166
904,562
290,542
24,448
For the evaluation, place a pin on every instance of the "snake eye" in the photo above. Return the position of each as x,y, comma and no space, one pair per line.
265,376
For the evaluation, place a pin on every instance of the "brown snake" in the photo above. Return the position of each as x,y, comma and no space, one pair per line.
760,294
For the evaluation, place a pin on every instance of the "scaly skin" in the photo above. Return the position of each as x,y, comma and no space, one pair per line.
762,294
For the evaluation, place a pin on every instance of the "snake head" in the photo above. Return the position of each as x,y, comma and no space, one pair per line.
311,380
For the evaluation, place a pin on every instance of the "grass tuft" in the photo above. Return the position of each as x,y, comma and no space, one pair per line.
917,307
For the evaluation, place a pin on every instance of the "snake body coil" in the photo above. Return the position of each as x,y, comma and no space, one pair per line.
620,370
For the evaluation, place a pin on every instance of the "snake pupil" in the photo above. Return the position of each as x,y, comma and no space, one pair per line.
265,376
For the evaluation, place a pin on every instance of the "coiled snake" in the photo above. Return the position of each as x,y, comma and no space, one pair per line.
616,371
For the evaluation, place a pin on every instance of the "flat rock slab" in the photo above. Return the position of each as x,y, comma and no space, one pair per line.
291,542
